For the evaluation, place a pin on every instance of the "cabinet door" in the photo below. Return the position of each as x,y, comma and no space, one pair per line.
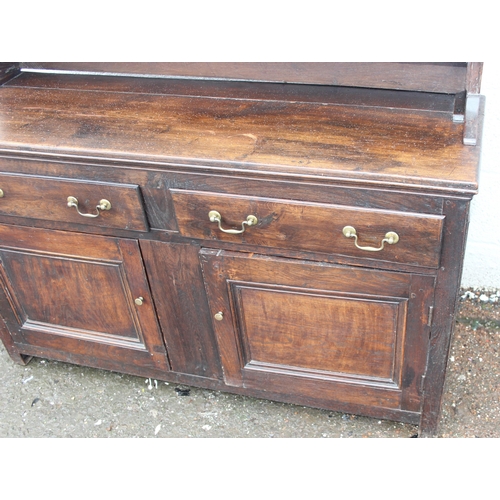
78,298
319,334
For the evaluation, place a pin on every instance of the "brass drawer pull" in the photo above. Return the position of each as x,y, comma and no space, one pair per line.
103,205
391,238
1,193
215,216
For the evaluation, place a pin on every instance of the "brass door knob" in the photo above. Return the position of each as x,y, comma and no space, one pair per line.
139,301
219,316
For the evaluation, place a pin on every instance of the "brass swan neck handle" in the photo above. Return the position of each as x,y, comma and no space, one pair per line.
215,216
103,205
391,238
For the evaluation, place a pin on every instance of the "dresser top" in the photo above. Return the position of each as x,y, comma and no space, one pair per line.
351,135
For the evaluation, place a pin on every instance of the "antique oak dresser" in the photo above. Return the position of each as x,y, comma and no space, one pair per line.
290,231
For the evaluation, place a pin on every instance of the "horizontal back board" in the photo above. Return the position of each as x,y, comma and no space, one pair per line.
427,77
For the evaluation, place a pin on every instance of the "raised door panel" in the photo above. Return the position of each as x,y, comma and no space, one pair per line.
330,335
79,299
294,328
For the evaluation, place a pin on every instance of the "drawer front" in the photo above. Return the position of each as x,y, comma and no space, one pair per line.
46,198
315,227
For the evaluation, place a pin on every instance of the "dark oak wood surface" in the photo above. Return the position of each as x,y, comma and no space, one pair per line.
311,227
355,143
79,297
47,199
443,321
290,309
336,95
181,305
8,71
428,77
281,318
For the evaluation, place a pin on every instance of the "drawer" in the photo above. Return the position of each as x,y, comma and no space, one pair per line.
46,198
315,227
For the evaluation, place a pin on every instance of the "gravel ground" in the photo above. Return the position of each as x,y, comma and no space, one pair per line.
471,401
54,399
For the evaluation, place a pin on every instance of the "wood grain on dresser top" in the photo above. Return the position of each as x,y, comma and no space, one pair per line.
345,136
